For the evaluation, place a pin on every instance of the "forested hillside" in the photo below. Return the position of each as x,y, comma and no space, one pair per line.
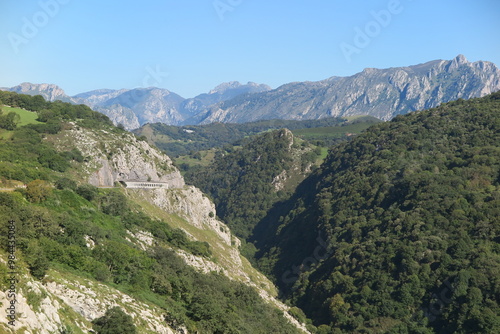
246,182
183,140
67,227
399,230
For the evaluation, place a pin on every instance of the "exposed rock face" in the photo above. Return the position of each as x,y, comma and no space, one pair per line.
113,158
52,306
223,92
379,93
192,205
92,300
134,107
48,91
44,318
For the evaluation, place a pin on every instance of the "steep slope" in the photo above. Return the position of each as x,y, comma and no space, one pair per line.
68,303
158,253
398,231
246,183
382,93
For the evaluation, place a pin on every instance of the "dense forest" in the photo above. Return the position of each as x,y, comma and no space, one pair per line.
57,213
399,230
176,141
245,182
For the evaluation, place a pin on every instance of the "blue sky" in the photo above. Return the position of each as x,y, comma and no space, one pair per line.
190,46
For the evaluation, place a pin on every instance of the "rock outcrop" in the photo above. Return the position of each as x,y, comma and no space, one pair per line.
112,157
62,305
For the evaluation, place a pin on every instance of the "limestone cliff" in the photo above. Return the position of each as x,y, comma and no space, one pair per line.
69,304
113,156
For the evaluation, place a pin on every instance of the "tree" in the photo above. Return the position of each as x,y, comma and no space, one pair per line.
87,191
37,103
9,121
37,191
45,114
36,259
114,321
65,183
114,203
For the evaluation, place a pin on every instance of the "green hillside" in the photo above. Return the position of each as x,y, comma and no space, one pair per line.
181,141
245,182
353,126
26,117
66,228
11,117
399,230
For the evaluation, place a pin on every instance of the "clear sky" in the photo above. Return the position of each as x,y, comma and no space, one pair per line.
190,46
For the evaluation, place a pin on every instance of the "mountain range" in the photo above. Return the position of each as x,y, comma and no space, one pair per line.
382,93
397,231
135,107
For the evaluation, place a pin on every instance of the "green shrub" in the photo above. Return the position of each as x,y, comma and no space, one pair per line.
114,203
114,321
65,183
87,191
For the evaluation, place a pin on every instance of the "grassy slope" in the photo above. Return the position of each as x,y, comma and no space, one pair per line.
27,117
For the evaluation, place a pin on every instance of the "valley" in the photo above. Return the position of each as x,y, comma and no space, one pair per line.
343,224
249,167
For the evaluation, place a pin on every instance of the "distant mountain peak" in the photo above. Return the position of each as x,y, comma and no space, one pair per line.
50,92
460,59
223,87
381,93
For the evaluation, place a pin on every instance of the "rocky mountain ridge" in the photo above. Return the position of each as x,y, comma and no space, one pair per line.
382,93
135,107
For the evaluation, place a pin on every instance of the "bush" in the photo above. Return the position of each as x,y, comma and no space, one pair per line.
114,203
87,191
37,191
114,321
65,183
